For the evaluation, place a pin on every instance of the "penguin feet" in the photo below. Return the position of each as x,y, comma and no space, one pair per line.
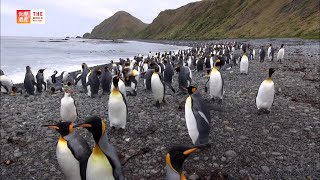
219,101
212,100
263,111
157,104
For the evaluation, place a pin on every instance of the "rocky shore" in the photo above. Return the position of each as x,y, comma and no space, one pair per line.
284,144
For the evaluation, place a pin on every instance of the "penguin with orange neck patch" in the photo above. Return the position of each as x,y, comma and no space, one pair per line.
103,163
175,158
266,93
72,151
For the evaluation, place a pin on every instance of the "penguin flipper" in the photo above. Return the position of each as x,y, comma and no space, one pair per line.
81,151
5,87
125,101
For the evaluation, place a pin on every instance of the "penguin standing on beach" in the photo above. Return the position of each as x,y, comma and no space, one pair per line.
72,151
197,117
280,54
175,158
29,82
184,78
41,84
157,87
84,73
103,163
266,93
216,83
147,80
6,84
52,79
106,79
121,86
244,64
93,82
68,109
168,72
117,106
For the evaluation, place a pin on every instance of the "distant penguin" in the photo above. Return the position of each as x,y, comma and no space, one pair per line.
216,83
117,106
168,72
175,158
6,84
52,79
106,79
280,55
41,84
78,83
147,80
103,162
72,151
68,109
197,117
244,64
269,52
266,93
93,82
84,73
157,86
184,78
29,82
66,77
200,64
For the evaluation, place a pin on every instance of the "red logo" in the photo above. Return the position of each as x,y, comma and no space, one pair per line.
23,16
33,16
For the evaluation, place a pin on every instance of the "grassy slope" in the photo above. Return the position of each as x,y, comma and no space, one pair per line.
237,19
120,25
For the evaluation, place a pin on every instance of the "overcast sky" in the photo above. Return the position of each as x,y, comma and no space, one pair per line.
75,17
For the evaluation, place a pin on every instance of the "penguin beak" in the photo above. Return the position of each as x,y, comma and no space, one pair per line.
54,127
189,151
83,125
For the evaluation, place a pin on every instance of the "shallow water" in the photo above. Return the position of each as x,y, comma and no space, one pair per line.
18,52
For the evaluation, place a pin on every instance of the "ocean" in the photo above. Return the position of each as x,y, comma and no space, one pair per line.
39,53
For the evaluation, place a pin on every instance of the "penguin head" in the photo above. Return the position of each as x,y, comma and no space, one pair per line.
95,125
64,128
106,69
115,81
177,68
156,69
41,70
176,156
99,72
28,68
282,45
191,89
271,71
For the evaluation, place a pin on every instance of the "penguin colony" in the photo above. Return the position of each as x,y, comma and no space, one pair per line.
119,80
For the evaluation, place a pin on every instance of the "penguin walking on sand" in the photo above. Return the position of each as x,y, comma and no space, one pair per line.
197,117
106,79
117,106
6,84
68,109
244,64
280,55
41,84
72,151
266,93
93,82
30,82
216,83
103,163
175,158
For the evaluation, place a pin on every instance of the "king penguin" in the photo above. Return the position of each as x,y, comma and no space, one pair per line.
121,86
93,82
72,151
103,163
84,73
117,106
216,83
68,109
157,86
266,92
29,81
41,84
244,64
106,79
6,84
197,117
175,158
280,54
168,72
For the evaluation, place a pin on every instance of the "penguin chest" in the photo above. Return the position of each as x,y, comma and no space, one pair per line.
216,86
68,110
117,110
265,96
157,88
191,121
99,167
69,165
244,65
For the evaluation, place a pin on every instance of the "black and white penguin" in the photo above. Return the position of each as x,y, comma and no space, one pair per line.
84,73
157,86
68,109
106,79
216,83
168,72
197,117
103,162
6,84
184,78
72,151
117,106
147,80
30,82
121,86
52,79
280,55
175,158
266,93
41,84
244,64
93,82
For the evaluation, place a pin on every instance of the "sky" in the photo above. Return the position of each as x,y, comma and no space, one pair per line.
76,17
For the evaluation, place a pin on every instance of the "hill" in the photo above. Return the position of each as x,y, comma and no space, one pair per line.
237,19
120,25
